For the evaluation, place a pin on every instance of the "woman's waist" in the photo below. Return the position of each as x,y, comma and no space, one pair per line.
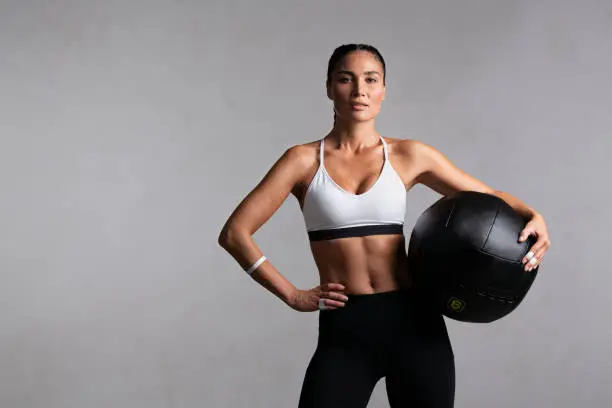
360,270
363,280
376,317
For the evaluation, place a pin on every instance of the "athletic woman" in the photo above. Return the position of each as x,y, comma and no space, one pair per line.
351,187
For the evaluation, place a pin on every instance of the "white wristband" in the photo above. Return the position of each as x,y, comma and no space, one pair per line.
256,265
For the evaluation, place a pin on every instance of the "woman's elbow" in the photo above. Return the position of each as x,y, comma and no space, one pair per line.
224,237
230,235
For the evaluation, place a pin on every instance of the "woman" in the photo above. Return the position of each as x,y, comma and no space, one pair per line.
351,187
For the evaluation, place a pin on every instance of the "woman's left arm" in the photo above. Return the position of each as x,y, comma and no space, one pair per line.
440,174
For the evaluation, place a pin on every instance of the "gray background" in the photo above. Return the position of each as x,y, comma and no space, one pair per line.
130,130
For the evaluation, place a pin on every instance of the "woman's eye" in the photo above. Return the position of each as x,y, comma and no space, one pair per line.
371,80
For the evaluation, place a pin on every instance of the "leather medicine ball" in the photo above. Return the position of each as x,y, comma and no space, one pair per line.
465,257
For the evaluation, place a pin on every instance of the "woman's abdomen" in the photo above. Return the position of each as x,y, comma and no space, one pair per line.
363,265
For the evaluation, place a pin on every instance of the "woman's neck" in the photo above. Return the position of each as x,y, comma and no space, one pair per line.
354,136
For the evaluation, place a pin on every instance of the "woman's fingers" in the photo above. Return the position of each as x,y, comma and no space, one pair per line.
536,254
332,286
332,297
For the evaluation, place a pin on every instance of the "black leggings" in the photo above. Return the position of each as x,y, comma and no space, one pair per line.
380,335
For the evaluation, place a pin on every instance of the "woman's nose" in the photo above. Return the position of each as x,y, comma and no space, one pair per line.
358,89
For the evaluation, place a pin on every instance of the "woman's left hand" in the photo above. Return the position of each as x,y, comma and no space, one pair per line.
536,227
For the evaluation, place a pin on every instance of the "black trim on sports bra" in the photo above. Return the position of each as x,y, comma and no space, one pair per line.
361,231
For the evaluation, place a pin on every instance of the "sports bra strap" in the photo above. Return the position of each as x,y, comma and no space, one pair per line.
321,152
385,149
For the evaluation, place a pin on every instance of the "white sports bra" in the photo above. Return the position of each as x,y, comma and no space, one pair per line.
331,212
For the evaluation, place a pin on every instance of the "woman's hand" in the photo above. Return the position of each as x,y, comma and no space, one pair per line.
536,227
329,296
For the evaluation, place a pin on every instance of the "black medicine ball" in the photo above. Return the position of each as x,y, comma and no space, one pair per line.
465,257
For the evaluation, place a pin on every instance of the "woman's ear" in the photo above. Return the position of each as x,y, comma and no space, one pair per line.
330,95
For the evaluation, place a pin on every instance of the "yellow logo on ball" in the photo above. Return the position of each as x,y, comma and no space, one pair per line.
456,305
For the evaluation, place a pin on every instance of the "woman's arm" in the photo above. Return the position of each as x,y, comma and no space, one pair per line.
254,210
440,174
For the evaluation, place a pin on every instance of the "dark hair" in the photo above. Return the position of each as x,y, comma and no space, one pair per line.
340,52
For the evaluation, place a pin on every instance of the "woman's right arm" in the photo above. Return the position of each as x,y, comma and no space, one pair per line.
256,208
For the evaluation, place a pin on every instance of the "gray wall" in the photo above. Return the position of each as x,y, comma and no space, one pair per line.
130,130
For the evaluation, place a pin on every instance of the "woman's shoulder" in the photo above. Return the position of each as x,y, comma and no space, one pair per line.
413,150
303,155
404,146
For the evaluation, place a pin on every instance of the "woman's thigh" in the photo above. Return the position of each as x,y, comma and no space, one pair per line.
421,371
339,377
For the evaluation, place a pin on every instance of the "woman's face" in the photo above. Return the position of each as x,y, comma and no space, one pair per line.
357,87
